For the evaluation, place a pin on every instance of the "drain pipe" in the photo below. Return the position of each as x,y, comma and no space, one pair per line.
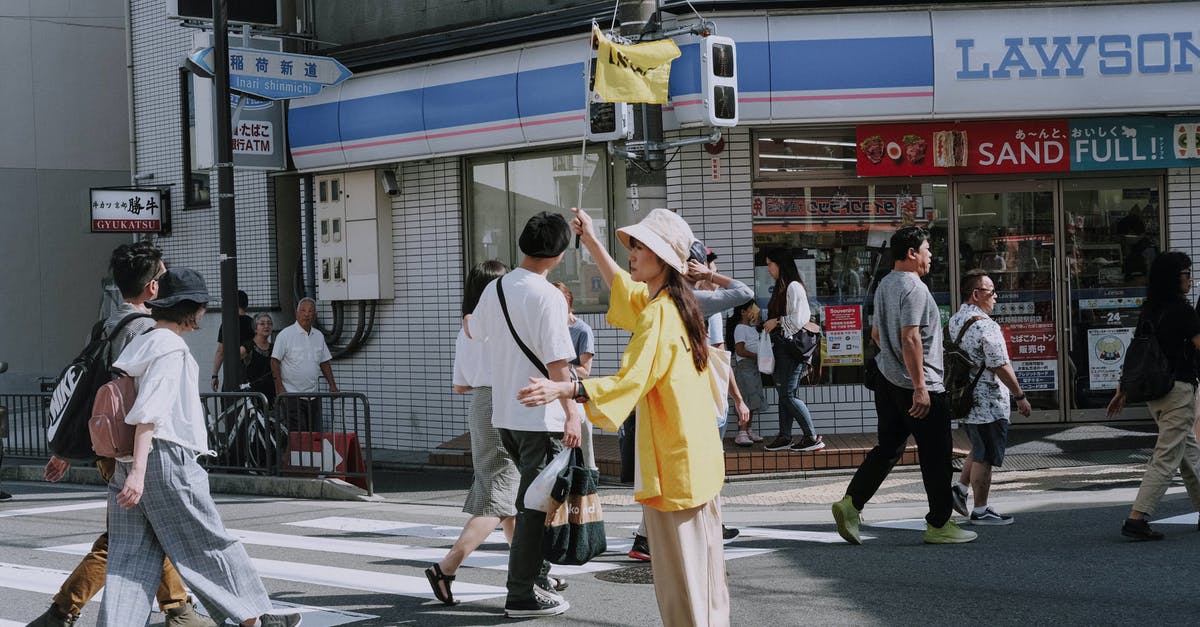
310,240
129,73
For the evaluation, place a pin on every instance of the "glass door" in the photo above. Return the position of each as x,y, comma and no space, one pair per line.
1112,233
1009,229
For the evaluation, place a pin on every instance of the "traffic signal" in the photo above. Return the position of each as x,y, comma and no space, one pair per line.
719,80
610,120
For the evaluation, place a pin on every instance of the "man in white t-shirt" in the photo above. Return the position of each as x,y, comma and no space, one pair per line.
298,360
537,313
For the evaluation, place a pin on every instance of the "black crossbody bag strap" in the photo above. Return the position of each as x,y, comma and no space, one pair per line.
528,353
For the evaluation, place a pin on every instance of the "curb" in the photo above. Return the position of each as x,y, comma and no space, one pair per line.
285,487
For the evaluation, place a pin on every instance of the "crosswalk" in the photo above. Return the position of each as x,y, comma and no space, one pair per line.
372,541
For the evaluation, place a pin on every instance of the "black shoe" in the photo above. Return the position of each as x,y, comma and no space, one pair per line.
53,617
779,443
541,604
1139,529
4,496
641,549
729,533
808,444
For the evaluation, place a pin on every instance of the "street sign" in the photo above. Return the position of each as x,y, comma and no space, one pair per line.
275,75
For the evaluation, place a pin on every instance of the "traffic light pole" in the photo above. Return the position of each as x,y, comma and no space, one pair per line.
645,185
231,364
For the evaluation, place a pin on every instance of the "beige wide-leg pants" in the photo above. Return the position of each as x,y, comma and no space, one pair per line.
689,566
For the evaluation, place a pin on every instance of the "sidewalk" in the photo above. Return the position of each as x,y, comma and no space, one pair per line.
1029,448
1057,459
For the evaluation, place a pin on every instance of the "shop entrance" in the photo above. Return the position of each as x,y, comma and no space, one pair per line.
1069,259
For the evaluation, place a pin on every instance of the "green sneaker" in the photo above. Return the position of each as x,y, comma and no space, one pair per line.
949,533
847,519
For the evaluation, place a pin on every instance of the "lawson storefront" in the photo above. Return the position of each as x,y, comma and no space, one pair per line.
1055,146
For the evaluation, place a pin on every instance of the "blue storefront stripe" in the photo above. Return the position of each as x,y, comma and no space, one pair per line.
865,63
763,67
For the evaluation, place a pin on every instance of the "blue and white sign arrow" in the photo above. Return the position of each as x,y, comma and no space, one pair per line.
275,75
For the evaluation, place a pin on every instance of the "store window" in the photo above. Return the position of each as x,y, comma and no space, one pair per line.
506,190
807,199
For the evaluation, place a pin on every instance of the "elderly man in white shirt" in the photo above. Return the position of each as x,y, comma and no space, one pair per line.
298,360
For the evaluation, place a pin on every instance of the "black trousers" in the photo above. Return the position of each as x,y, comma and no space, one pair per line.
531,450
934,444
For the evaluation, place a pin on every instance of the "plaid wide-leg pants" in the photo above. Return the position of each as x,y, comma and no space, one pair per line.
176,516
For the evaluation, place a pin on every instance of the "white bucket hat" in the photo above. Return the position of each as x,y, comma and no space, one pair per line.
665,234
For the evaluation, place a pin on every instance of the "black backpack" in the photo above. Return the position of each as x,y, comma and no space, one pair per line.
1146,375
956,371
75,392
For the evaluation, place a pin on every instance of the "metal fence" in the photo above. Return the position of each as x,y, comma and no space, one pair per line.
329,434
303,435
26,424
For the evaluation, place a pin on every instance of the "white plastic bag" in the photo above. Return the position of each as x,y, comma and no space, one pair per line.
766,357
719,372
538,492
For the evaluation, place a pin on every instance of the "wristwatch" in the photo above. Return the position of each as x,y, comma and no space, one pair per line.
581,395
1019,397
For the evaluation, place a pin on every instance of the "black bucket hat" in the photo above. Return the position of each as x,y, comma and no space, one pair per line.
178,285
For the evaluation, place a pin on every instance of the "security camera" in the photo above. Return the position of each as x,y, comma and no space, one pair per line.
391,186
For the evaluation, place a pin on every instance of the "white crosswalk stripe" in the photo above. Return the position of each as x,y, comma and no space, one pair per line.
372,539
1182,519
47,581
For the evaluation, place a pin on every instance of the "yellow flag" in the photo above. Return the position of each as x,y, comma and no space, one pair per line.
633,73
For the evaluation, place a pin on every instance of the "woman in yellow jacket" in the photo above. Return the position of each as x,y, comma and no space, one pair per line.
664,374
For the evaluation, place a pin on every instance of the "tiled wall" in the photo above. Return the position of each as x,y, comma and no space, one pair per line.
1183,207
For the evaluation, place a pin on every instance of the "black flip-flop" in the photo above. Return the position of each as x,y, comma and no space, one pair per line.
437,578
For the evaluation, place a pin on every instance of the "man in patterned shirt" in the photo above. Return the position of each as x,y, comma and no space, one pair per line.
987,422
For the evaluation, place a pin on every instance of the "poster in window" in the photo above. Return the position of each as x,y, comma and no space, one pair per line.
1106,355
842,344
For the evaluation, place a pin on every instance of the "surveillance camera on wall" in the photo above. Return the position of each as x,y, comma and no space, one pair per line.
391,186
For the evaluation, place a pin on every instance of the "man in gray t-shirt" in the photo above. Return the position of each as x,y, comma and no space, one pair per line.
911,399
902,302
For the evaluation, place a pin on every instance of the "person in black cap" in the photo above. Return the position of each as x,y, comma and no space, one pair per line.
158,498
523,319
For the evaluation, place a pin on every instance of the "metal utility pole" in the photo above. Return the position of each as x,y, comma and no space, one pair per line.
645,183
231,365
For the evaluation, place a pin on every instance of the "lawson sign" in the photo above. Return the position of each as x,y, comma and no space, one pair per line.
1067,59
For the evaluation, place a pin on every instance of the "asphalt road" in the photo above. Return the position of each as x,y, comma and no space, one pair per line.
360,563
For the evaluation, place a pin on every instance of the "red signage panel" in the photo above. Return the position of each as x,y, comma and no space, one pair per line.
997,147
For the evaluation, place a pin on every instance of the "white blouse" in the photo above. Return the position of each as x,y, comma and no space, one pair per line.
168,388
797,304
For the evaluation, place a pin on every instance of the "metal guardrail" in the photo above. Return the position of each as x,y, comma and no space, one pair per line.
320,434
329,434
26,424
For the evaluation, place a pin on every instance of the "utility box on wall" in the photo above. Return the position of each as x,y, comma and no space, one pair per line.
353,217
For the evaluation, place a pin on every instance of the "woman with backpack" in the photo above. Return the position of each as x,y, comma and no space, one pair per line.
158,498
789,300
1175,326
